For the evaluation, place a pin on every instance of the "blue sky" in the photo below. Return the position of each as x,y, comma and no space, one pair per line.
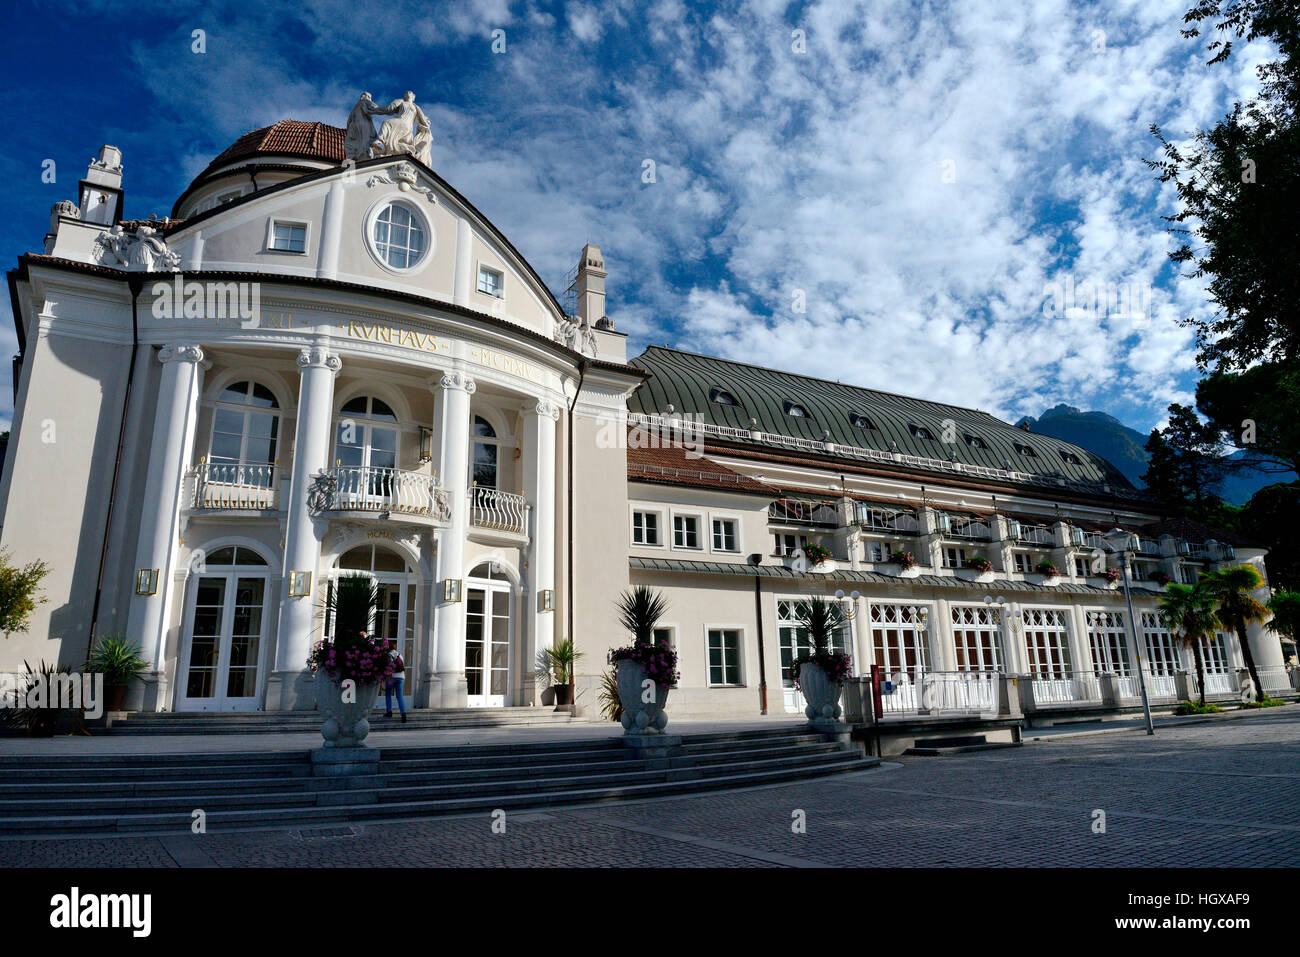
887,197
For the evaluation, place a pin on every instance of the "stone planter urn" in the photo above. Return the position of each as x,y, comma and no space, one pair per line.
821,694
639,716
346,724
912,571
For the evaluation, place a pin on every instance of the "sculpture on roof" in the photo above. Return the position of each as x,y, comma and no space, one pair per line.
576,335
407,132
141,249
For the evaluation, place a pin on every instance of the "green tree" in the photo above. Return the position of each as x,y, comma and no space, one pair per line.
1233,592
19,592
1238,186
1187,464
1269,519
1188,611
1285,608
1256,410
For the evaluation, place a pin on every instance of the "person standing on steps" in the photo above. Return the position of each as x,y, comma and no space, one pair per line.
393,685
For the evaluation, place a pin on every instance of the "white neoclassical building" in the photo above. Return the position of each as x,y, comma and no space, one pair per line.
326,361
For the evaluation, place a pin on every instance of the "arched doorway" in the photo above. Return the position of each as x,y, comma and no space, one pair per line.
399,601
489,627
219,665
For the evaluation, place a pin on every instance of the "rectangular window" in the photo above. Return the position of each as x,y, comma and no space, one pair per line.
289,237
489,282
666,635
1081,567
954,558
879,552
725,537
1108,643
724,657
790,544
975,638
645,528
686,531
1024,564
1047,643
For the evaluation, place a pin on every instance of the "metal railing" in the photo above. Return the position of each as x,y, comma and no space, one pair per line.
1162,688
968,529
1198,550
1062,687
495,509
886,520
1220,682
224,485
364,488
1035,535
1275,678
932,692
1148,547
793,511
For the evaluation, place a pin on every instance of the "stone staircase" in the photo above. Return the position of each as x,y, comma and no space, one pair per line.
288,722
43,795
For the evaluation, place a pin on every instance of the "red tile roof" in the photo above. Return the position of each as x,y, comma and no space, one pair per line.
286,138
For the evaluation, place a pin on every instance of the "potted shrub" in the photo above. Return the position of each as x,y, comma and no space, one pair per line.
354,663
981,564
1161,578
40,721
1111,576
118,660
816,554
905,560
1047,569
559,660
821,674
645,660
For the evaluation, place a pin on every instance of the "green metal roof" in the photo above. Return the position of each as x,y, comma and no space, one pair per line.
995,587
687,381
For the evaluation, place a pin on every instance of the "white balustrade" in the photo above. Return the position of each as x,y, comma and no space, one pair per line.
495,509
1062,687
229,485
363,488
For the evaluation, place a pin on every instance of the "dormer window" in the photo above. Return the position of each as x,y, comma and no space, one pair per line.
722,397
1070,458
861,421
795,409
921,432
975,442
1026,451
288,237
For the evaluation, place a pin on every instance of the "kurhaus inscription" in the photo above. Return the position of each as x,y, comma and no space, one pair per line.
396,336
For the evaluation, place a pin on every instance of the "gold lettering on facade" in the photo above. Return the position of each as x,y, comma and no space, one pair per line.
505,363
392,335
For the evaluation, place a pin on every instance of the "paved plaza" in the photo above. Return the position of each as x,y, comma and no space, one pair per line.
1220,793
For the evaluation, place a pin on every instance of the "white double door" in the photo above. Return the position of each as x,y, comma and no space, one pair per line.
487,643
395,621
226,629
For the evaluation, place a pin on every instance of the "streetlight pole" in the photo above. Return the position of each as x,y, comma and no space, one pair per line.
1130,541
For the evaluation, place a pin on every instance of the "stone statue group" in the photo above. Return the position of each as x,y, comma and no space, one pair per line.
407,131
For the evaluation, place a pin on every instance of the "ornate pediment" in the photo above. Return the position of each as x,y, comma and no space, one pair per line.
140,249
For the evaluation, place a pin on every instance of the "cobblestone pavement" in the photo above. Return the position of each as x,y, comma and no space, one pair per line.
1217,794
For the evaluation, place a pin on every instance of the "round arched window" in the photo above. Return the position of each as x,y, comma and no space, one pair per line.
399,236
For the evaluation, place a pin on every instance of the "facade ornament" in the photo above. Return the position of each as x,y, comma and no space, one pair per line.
405,178
458,380
547,409
576,335
320,491
141,249
406,133
187,352
63,208
318,357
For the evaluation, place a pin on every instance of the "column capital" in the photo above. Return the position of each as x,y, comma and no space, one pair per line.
318,357
454,380
181,352
544,408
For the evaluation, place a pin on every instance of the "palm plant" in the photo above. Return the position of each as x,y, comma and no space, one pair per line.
639,610
1189,614
352,603
1236,605
821,619
117,658
559,659
611,705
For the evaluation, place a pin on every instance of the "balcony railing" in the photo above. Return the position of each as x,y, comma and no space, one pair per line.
363,488
498,510
887,520
1275,678
1220,682
952,692
1033,534
221,485
1148,547
968,529
1063,687
1198,550
793,511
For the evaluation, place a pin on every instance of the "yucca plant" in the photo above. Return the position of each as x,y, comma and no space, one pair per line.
821,619
560,659
611,705
639,610
117,658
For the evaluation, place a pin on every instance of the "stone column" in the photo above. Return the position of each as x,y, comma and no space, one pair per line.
173,436
452,419
289,687
943,651
539,481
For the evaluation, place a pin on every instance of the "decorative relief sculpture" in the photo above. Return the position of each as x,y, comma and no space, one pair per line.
141,249
407,132
404,177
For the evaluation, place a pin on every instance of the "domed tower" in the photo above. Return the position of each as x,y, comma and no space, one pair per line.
261,158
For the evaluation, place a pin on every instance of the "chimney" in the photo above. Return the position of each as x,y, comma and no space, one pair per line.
101,190
589,284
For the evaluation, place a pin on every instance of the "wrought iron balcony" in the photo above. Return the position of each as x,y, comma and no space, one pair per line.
1032,534
498,510
362,488
886,520
793,511
964,527
217,485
